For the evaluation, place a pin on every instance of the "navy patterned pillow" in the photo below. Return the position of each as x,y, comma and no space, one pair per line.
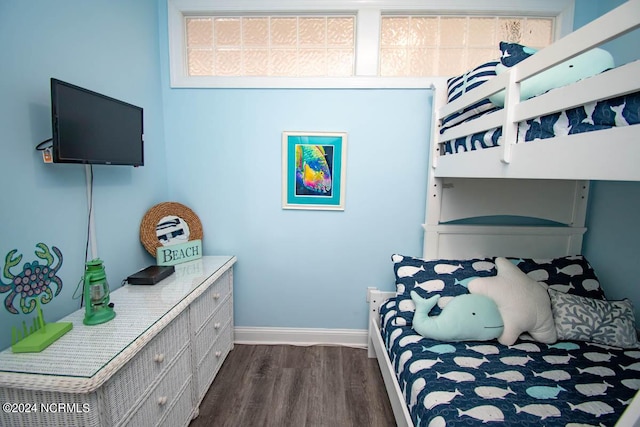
513,53
448,278
571,275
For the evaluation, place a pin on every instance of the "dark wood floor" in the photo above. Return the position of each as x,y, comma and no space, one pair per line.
280,385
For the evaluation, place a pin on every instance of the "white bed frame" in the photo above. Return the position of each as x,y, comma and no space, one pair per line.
547,180
610,154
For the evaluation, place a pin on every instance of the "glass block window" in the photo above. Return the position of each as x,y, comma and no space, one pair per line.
419,45
270,46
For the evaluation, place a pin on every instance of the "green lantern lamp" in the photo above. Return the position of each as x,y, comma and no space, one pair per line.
98,309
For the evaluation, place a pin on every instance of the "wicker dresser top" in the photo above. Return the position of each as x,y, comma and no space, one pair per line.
141,311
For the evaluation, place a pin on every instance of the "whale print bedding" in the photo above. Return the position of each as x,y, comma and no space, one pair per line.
569,383
619,111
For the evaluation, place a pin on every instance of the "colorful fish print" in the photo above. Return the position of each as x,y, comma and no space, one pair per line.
312,169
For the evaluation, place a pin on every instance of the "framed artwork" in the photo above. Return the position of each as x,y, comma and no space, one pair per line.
314,170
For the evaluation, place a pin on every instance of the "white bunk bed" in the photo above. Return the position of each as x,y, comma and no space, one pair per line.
547,180
610,154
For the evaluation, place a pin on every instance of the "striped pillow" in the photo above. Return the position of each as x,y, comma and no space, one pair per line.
458,86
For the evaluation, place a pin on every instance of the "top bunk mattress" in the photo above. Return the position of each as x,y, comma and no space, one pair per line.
569,383
606,114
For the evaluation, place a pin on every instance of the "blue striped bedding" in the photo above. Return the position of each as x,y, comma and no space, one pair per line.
568,383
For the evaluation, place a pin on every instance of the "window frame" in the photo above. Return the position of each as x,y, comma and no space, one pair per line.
368,18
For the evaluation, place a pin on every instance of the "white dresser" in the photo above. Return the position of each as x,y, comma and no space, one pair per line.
151,365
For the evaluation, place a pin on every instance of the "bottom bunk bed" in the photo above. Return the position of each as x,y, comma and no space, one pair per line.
568,382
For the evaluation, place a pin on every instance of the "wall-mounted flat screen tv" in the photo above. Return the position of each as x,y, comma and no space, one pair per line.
92,128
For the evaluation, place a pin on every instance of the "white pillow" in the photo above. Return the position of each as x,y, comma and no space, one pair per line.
524,304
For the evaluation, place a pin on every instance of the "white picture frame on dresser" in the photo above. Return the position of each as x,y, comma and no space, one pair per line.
151,365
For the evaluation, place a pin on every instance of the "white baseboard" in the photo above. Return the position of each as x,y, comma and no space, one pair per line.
301,336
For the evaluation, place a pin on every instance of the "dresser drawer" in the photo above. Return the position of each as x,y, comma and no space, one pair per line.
212,361
181,412
130,383
165,395
209,333
204,306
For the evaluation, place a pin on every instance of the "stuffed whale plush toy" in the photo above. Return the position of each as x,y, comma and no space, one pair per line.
585,65
524,304
465,318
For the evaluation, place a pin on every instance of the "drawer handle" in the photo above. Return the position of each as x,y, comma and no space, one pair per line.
216,296
216,325
158,358
162,400
218,353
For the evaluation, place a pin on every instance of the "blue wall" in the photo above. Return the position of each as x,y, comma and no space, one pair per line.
224,151
612,242
292,263
110,46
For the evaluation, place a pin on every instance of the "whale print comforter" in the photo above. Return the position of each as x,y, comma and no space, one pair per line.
568,383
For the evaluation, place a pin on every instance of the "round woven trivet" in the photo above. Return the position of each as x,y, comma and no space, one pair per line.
150,221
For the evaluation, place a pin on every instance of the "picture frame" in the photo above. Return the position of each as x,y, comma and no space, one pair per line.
314,170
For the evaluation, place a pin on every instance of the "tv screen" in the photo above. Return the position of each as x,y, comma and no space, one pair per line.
92,128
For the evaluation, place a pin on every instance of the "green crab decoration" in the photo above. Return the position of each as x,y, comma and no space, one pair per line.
35,280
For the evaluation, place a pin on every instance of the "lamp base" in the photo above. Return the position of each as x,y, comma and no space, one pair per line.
99,316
